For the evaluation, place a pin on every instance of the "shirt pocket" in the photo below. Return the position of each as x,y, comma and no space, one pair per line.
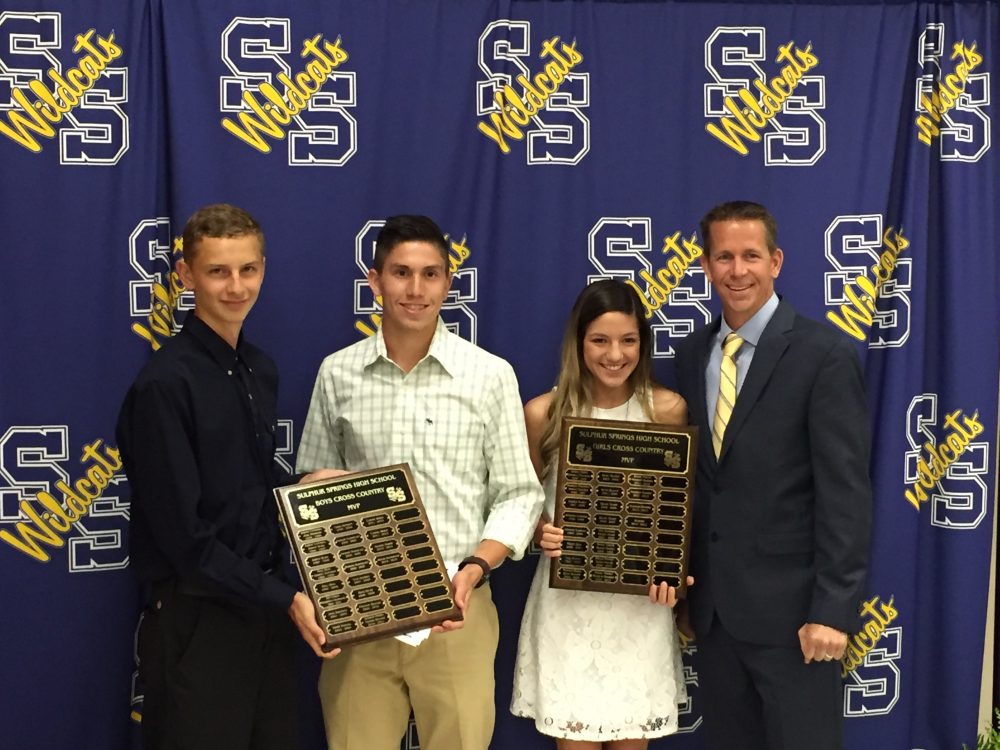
449,423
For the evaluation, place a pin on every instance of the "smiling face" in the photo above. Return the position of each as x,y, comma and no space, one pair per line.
611,350
413,283
741,269
225,274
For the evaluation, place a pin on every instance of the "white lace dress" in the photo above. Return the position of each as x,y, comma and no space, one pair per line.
594,666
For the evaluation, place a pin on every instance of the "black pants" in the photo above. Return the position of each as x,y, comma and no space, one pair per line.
216,675
757,697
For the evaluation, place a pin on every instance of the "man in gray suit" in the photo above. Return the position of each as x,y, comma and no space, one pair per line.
783,499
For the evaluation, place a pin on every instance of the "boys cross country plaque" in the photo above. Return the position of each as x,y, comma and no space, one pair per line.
366,554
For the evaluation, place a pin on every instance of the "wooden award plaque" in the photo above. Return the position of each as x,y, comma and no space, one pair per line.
366,555
624,497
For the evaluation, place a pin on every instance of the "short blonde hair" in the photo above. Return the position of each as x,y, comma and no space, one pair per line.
219,220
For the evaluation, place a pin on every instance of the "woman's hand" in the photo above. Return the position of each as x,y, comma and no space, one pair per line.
549,537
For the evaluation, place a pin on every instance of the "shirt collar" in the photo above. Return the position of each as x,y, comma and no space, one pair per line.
751,331
442,348
217,347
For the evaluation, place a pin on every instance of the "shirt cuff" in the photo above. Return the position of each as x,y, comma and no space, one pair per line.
276,593
512,529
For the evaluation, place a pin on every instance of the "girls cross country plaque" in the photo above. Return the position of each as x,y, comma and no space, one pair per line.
623,501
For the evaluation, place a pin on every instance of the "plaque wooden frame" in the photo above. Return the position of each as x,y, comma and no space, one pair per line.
366,555
624,496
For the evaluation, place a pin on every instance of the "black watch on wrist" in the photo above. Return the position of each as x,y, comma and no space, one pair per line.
473,560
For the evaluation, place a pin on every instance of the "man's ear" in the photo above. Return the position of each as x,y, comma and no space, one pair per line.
705,267
184,271
777,258
374,282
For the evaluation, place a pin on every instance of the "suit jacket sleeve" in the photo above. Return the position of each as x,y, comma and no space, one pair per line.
839,434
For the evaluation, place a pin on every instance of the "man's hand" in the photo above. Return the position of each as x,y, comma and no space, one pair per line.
549,537
821,642
319,474
464,581
462,584
303,614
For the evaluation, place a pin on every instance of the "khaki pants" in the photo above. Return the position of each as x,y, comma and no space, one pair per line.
368,690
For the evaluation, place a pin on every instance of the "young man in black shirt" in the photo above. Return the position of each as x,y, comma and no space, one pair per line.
196,433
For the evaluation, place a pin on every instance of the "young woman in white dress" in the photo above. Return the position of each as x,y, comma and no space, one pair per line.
598,670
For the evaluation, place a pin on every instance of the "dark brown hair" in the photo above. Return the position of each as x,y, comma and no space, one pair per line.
740,211
408,228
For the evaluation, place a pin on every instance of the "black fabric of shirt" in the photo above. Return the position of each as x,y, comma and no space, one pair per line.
197,438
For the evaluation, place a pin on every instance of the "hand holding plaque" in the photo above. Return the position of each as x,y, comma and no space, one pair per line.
366,555
623,500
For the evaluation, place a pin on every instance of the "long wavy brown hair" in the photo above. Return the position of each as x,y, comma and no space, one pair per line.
572,396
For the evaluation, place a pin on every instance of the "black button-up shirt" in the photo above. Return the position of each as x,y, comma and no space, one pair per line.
197,438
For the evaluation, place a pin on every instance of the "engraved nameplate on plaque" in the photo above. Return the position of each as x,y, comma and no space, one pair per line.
624,496
366,555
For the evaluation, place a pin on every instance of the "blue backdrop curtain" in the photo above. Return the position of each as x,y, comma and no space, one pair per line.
555,142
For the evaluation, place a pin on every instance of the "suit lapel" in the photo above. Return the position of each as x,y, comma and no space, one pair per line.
701,352
701,357
772,344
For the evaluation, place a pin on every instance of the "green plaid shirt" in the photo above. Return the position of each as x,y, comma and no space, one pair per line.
455,418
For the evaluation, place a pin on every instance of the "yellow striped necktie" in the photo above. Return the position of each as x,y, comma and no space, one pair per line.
727,390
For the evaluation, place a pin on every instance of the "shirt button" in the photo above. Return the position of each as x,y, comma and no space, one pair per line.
714,536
